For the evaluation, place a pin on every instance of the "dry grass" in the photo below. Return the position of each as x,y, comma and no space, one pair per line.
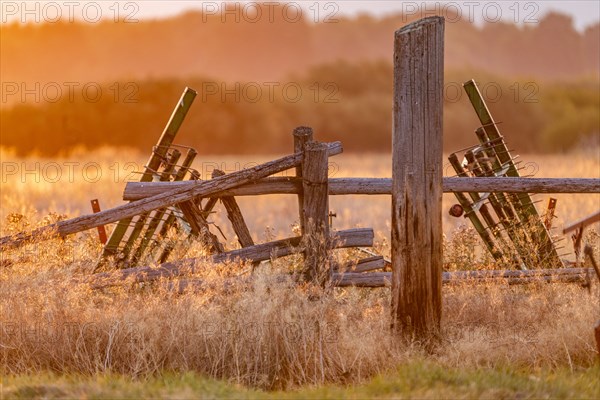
272,335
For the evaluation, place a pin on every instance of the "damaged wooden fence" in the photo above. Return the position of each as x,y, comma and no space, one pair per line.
171,197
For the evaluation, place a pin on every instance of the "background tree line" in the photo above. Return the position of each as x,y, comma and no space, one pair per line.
344,101
67,85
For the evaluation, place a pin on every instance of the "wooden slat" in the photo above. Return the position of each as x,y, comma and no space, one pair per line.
364,265
234,214
200,229
582,223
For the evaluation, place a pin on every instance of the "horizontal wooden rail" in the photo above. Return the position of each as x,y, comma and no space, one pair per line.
348,238
379,186
260,252
383,279
164,199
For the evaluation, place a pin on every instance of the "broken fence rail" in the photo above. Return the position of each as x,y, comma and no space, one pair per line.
164,199
261,252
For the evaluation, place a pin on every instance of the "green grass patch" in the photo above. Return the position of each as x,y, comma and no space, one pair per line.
416,379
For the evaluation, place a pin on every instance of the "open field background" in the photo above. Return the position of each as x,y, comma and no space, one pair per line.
256,80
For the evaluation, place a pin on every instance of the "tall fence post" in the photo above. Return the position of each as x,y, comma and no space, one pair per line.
417,178
316,212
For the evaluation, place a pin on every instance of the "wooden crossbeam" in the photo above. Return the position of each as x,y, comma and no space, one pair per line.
370,280
380,186
383,279
366,264
582,223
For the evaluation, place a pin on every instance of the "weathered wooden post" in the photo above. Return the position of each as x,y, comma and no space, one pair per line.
302,135
316,212
417,178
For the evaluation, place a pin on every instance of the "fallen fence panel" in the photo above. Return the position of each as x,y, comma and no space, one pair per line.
159,153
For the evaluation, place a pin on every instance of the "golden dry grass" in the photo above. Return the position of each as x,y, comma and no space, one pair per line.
273,335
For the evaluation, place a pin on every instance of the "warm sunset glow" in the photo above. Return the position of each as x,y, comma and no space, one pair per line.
305,199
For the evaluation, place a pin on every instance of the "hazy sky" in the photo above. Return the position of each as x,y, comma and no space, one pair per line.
584,12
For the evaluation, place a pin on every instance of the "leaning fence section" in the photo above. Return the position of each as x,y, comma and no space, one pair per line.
508,223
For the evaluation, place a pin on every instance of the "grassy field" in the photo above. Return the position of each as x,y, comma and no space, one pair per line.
416,379
61,339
